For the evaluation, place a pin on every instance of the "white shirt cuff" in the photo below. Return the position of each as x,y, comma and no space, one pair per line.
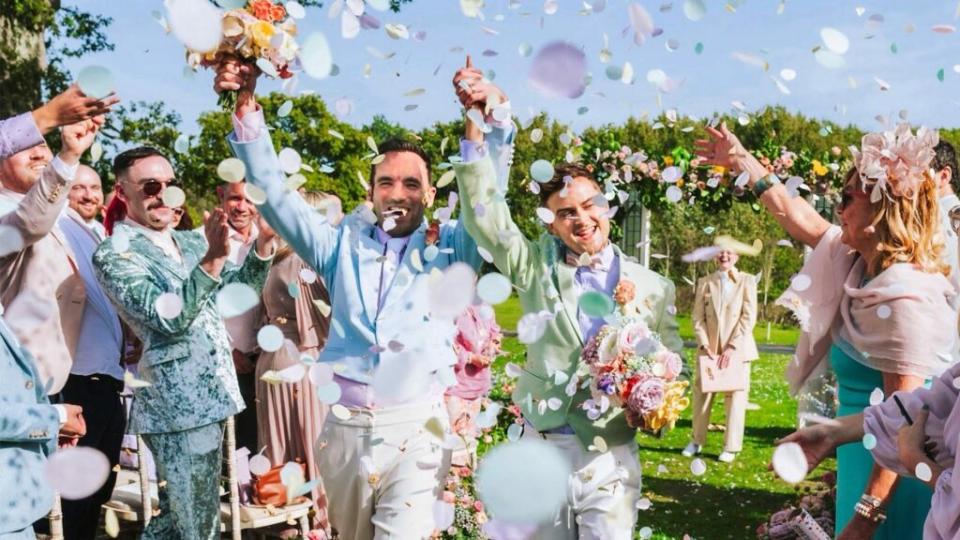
62,411
67,172
250,126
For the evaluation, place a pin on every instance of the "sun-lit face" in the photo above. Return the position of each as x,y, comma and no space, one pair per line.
855,214
241,213
401,191
727,259
135,187
580,217
86,193
22,170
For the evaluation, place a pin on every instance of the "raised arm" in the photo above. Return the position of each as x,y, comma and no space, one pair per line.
305,229
26,130
482,183
38,211
794,214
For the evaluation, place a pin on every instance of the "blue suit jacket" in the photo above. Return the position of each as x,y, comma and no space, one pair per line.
28,431
348,257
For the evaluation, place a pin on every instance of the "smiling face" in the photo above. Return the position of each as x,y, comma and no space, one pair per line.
401,191
241,213
22,170
86,193
135,185
580,217
727,259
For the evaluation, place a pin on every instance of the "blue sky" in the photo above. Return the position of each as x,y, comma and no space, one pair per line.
148,64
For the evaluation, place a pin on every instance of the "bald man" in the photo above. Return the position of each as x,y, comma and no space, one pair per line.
86,199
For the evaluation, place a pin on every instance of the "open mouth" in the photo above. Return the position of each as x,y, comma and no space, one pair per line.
394,212
585,234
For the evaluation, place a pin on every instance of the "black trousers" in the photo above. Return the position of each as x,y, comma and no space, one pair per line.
246,421
106,420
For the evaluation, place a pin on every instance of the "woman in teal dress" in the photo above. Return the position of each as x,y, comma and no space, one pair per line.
872,299
907,508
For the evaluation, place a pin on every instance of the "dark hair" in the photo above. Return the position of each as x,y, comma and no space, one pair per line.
186,222
573,170
946,156
127,158
397,144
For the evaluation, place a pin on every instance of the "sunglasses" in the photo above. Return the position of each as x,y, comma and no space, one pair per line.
152,188
848,195
178,211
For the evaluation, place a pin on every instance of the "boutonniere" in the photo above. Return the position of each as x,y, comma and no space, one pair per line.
624,292
432,236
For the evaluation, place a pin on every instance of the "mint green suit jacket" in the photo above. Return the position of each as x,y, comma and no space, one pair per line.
546,283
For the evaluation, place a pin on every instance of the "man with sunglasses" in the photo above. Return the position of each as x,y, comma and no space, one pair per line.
164,284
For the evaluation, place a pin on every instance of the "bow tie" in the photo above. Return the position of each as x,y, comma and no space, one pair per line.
593,262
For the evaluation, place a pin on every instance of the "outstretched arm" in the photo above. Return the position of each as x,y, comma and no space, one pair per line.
794,214
305,229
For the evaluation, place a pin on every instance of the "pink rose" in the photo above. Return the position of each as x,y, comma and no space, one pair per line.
631,335
478,506
449,497
671,363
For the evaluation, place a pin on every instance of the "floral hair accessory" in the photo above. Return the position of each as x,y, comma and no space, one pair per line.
894,162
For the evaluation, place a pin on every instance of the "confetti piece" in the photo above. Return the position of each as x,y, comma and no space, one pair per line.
524,481
76,472
790,463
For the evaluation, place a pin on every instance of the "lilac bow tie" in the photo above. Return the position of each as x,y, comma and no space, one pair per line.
593,262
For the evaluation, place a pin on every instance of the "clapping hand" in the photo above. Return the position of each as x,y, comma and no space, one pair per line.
265,237
74,428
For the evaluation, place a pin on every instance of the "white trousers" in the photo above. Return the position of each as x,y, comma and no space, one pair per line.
602,493
382,471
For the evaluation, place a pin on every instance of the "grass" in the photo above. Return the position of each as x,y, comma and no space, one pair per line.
728,501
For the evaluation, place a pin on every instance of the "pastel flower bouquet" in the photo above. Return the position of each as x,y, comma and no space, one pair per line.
629,367
262,33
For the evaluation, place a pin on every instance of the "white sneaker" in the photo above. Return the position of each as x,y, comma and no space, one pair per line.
691,450
752,406
726,457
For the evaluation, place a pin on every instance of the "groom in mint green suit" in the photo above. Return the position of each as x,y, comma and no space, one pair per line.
550,275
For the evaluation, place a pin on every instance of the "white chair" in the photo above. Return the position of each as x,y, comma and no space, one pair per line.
134,505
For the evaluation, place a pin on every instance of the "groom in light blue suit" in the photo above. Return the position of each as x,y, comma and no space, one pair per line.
380,467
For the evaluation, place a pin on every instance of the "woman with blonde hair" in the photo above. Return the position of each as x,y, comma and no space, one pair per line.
289,415
872,299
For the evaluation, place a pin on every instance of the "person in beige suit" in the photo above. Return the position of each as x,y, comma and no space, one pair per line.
40,288
724,313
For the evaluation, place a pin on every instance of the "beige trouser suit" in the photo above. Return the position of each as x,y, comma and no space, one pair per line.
724,314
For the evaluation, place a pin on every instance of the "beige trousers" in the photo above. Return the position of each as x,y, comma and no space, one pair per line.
602,493
735,404
382,471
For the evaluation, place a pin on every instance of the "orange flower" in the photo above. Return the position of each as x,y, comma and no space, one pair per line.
262,9
278,12
668,160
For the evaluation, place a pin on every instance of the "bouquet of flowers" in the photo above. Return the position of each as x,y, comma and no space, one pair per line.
261,32
629,367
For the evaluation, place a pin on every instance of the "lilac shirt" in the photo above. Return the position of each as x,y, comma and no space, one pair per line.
18,133
942,429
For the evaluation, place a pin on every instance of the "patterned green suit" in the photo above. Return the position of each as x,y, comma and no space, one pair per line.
187,361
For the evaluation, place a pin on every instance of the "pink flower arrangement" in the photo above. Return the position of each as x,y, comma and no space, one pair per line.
895,162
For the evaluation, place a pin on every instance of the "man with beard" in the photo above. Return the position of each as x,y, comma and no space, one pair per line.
164,284
86,199
241,217
575,257
390,357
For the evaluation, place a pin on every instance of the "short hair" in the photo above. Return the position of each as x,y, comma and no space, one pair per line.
397,144
944,155
557,183
127,158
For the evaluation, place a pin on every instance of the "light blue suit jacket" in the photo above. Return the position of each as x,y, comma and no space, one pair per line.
28,432
348,257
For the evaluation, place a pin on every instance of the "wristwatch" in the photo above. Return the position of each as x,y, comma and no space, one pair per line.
765,183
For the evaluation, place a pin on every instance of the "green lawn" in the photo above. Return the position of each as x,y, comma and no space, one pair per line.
728,501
